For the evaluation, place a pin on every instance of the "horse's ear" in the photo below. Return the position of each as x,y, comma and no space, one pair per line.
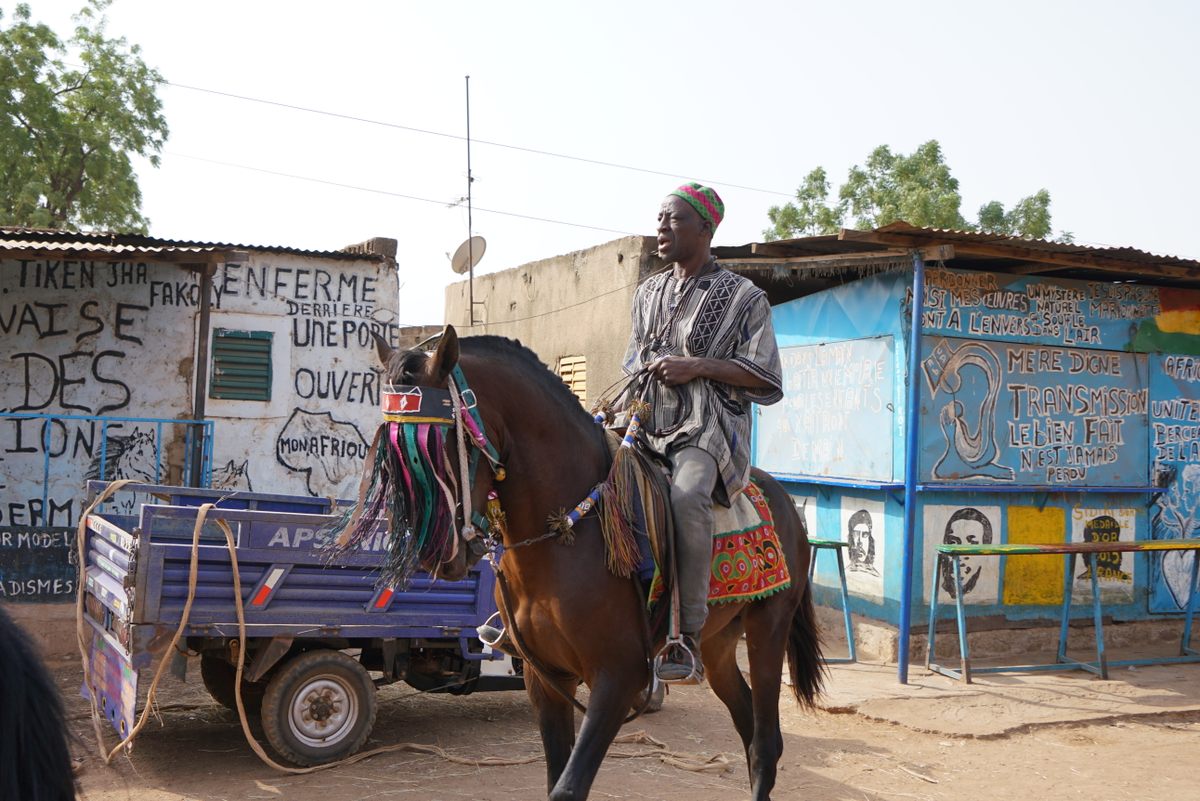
446,355
382,348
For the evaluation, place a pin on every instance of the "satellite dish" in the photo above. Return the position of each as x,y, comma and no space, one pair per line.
468,254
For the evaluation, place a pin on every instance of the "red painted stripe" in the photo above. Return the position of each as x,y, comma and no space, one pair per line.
261,596
384,597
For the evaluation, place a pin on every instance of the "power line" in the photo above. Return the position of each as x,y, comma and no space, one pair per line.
389,193
428,132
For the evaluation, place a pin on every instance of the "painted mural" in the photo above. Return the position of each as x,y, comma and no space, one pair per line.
864,530
1114,570
963,525
97,341
1030,387
92,341
1018,308
836,418
1175,429
1033,414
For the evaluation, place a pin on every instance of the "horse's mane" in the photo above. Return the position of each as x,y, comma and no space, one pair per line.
513,353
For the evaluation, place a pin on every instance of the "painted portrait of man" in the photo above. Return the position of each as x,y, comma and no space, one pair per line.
861,538
967,526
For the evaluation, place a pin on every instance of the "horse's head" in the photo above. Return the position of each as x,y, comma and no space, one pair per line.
418,368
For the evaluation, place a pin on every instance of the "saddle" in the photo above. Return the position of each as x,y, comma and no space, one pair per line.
748,563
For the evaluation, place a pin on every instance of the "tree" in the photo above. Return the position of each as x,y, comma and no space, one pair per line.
67,133
916,188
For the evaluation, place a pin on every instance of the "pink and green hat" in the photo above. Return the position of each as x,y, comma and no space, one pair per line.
704,200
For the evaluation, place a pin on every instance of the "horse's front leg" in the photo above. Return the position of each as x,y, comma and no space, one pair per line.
556,721
608,704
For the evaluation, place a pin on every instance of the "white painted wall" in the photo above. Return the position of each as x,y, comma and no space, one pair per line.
103,339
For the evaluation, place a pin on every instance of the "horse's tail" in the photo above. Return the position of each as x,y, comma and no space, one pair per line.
804,652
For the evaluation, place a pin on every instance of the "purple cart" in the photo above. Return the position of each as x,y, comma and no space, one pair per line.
320,636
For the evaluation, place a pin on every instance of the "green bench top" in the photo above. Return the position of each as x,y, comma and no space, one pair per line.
1070,547
816,543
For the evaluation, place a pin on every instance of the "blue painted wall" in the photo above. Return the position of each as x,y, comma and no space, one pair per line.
1058,390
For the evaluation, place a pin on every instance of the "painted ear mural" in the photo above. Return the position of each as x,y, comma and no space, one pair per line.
969,428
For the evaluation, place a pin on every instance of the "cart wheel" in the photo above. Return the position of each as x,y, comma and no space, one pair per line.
319,707
218,676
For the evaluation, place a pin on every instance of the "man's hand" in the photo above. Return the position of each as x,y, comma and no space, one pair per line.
675,370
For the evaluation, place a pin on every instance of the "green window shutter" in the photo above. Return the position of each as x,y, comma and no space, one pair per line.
241,365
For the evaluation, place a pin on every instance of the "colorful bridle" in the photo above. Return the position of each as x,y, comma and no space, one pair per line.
411,483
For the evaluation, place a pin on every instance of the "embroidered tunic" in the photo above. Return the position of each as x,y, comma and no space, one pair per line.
716,315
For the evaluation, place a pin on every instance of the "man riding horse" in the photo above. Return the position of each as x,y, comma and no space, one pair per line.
704,335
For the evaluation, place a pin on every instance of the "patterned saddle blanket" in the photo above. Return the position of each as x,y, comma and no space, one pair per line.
747,564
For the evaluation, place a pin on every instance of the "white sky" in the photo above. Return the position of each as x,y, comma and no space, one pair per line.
1095,101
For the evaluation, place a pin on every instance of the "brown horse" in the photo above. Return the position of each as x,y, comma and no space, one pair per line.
578,621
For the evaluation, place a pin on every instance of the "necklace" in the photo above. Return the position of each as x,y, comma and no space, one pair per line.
669,306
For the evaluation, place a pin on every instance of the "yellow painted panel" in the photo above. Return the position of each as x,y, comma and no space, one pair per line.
1035,579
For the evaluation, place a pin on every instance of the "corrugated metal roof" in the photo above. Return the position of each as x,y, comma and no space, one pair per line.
1124,254
850,251
109,245
792,268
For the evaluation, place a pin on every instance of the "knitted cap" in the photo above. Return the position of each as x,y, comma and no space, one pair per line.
704,200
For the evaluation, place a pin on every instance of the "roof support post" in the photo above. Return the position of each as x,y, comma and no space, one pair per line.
912,412
200,376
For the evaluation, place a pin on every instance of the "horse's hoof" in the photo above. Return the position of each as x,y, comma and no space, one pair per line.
654,703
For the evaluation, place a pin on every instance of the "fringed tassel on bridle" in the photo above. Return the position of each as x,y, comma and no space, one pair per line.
627,503
376,497
408,489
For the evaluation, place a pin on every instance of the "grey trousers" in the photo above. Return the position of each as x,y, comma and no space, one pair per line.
693,478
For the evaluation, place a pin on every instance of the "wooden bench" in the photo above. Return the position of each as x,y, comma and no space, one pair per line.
837,546
1089,551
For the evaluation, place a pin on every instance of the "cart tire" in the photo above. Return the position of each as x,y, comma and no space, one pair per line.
218,677
319,707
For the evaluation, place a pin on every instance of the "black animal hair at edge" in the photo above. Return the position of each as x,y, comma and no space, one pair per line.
35,761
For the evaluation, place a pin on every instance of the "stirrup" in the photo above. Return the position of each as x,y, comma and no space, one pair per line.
495,637
688,671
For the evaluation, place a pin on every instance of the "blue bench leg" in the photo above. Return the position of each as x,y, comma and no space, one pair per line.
933,611
846,606
963,650
1065,627
1101,657
1185,647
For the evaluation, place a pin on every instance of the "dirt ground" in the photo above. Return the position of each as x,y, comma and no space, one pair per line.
1040,736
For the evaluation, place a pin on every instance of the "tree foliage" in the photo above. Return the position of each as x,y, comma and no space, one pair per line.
68,131
917,188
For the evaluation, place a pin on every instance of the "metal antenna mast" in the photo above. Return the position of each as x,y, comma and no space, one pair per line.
470,232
